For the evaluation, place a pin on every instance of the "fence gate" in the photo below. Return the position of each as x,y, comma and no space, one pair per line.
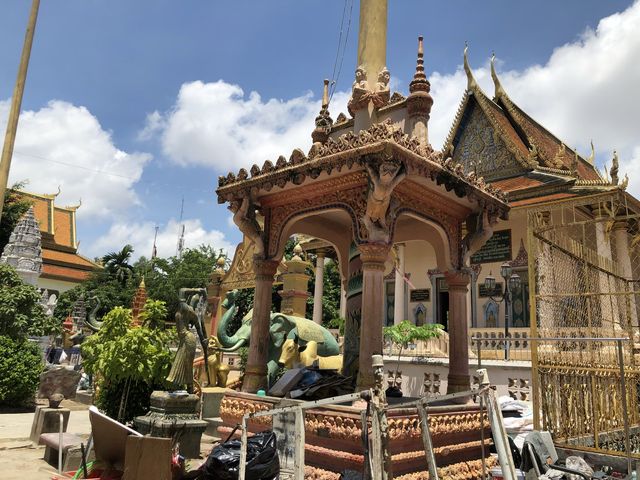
584,263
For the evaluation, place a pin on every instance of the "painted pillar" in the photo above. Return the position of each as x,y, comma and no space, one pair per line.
351,347
295,286
319,288
608,303
623,257
214,294
255,375
399,313
458,379
373,256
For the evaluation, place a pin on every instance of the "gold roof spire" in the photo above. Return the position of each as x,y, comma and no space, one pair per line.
471,81
499,91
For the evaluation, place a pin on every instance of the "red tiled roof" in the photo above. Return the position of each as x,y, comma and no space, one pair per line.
66,257
516,183
64,273
548,144
542,199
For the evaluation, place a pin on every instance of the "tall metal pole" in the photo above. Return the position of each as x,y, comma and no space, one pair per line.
16,102
507,316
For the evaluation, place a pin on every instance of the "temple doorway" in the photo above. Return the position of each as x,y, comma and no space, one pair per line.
442,305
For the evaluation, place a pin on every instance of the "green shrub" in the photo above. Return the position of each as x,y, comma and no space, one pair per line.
20,368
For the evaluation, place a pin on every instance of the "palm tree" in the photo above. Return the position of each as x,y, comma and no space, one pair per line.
117,264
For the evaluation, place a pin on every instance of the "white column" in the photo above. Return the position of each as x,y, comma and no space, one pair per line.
343,299
399,313
319,288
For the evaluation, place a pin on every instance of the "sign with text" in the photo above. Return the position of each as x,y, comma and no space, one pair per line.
420,295
497,248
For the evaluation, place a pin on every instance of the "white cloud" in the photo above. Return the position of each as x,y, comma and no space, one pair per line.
217,125
586,90
64,145
140,235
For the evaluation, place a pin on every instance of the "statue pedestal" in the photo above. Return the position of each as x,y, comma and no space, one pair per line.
174,415
211,400
47,420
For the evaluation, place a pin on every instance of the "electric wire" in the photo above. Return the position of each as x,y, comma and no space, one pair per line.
341,45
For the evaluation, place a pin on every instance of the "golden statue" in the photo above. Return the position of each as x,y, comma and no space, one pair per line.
218,371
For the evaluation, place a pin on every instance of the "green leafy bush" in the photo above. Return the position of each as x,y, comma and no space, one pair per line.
128,362
20,368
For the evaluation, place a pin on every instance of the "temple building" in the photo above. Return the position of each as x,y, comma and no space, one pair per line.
62,266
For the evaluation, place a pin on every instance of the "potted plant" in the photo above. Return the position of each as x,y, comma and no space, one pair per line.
401,335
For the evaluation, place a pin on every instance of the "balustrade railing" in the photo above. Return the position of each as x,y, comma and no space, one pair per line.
492,343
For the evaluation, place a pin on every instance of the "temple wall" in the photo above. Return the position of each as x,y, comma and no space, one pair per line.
419,258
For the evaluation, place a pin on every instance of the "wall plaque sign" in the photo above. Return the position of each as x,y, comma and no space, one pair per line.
497,248
420,295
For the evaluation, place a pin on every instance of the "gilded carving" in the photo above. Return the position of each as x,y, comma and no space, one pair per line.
479,140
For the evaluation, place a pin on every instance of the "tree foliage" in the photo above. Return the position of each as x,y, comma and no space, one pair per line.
15,206
405,332
20,368
117,264
21,314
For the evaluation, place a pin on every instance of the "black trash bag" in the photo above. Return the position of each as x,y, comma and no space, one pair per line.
262,459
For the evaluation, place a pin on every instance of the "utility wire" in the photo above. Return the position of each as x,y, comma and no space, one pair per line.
335,77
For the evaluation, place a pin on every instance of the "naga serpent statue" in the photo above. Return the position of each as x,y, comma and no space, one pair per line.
281,327
92,323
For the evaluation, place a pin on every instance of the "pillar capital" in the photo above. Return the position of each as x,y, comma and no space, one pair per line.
457,279
265,269
621,225
374,255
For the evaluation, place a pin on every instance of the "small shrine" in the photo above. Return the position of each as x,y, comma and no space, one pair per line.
366,183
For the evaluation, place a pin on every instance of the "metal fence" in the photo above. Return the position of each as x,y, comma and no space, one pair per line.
583,261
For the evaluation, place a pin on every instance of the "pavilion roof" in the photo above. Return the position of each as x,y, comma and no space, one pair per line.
347,150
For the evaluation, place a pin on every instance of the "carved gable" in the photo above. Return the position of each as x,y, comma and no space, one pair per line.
478,145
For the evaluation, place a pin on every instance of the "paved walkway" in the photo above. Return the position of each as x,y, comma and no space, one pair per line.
19,460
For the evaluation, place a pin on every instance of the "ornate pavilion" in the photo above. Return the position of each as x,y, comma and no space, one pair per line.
366,183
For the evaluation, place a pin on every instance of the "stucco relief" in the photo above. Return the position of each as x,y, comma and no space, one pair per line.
480,149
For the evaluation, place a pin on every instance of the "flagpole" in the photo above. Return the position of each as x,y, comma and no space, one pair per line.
16,102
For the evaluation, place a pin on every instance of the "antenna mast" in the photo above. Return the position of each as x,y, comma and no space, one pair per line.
181,237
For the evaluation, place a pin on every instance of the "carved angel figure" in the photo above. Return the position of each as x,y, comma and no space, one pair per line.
383,93
383,182
474,241
245,218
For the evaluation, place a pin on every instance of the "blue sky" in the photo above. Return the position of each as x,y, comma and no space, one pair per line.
131,105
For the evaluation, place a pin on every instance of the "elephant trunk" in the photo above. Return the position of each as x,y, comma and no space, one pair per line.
233,348
226,341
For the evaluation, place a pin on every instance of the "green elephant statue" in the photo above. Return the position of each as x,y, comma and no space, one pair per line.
281,327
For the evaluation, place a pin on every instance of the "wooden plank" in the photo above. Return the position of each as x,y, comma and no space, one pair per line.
147,457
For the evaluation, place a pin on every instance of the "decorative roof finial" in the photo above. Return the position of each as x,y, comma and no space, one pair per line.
471,82
325,94
615,166
323,120
419,101
499,91
592,156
